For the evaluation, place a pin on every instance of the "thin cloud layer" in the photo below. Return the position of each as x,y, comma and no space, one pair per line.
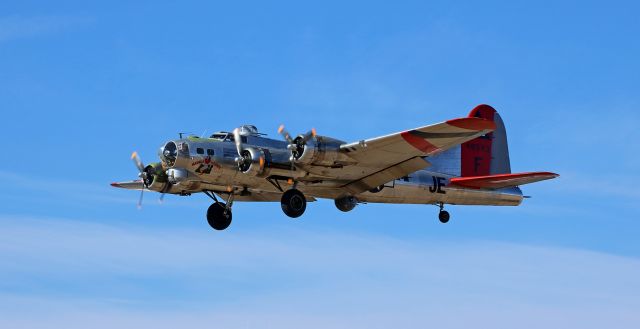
80,272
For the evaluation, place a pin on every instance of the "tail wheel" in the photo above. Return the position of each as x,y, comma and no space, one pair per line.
443,216
293,203
218,216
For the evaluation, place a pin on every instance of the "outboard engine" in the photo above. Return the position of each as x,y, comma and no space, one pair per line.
154,177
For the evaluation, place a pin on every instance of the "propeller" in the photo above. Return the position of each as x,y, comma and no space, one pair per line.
139,205
285,134
296,145
137,161
146,174
142,174
238,139
244,156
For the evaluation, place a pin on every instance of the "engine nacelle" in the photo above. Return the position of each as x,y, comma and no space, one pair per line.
262,163
179,176
181,179
319,151
253,161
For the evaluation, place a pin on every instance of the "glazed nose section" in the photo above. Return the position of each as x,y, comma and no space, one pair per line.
169,153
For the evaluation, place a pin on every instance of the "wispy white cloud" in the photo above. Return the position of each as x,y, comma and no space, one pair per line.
67,189
71,273
75,189
18,27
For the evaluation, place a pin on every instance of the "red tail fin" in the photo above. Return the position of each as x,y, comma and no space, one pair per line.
476,153
488,154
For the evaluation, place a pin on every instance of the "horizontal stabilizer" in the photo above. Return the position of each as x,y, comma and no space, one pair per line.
502,180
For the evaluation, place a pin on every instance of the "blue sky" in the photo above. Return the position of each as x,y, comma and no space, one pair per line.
82,85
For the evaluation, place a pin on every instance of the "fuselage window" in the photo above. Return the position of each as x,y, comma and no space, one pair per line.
200,150
209,152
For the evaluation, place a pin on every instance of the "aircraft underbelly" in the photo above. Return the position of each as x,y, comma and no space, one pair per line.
416,194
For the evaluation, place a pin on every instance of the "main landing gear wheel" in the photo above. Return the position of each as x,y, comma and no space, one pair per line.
218,216
443,216
293,203
346,204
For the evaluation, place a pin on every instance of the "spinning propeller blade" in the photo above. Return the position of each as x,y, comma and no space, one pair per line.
140,200
296,145
238,139
285,134
310,134
137,161
142,174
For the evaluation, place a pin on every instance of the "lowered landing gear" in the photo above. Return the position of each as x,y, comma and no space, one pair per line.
218,216
293,203
443,216
346,203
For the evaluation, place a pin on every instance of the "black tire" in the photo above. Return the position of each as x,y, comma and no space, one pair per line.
293,203
443,216
217,218
346,204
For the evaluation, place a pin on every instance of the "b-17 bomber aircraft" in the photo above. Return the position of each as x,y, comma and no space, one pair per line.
462,161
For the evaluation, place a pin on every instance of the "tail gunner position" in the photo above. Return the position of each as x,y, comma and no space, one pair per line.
461,161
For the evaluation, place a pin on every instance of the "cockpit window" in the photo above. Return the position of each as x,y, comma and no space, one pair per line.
226,137
219,136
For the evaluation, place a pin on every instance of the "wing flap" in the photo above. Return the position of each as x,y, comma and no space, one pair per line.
502,180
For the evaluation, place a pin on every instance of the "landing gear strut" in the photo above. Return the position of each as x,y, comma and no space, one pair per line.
293,203
443,216
219,214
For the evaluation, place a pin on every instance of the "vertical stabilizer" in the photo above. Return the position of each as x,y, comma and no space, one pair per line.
488,154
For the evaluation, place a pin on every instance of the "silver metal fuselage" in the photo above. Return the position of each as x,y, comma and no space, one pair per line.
210,164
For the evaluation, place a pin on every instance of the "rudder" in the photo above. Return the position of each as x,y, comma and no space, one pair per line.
488,154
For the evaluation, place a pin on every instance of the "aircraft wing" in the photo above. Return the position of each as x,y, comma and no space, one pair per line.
386,175
129,185
502,180
424,141
383,159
